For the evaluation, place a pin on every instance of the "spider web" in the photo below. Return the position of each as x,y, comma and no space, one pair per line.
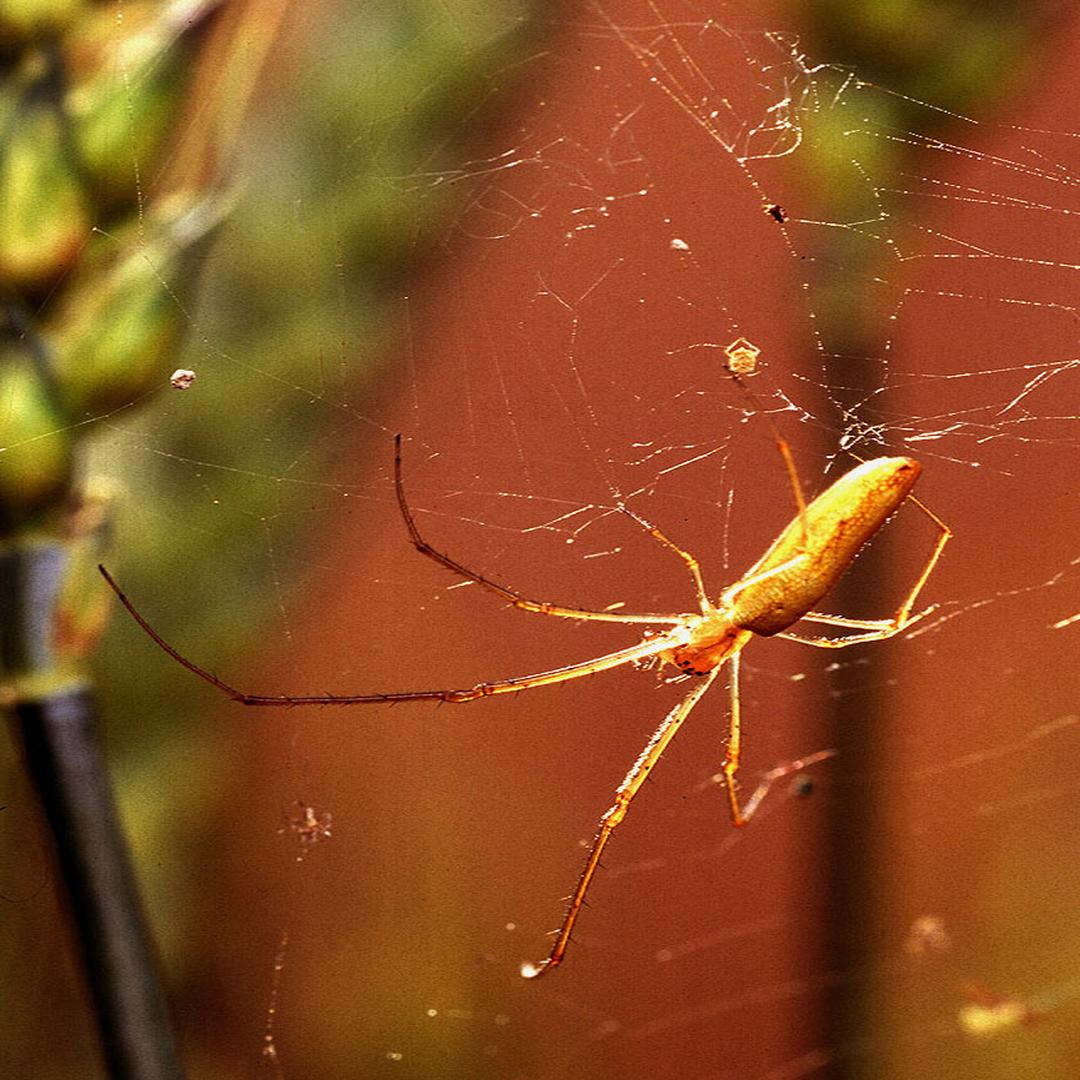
650,182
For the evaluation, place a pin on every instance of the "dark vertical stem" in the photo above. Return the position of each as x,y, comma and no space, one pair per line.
861,711
56,717
63,757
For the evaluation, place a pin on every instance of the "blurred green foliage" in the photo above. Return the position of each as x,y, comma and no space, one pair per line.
335,206
107,218
936,60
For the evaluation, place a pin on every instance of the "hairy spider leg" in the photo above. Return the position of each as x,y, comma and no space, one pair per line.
740,816
613,817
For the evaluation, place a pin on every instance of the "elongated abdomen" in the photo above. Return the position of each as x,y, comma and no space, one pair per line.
838,522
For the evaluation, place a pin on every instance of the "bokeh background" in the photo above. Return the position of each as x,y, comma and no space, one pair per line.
456,221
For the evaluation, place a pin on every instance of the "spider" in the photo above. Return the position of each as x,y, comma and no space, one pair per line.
781,588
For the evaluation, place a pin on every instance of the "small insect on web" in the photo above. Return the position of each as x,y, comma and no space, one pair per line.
781,588
742,357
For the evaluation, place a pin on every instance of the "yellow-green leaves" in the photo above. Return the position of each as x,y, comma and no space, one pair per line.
35,441
113,338
24,18
44,213
100,234
126,85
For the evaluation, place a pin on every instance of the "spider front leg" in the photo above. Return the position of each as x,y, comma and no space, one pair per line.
613,817
539,607
650,646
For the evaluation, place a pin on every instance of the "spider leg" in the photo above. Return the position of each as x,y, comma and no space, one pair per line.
518,601
842,620
944,536
890,629
877,629
691,563
741,815
783,447
624,794
649,647
793,476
